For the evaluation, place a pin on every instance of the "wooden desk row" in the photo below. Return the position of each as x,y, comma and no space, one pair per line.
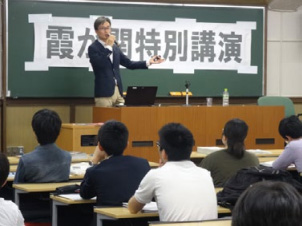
112,213
219,222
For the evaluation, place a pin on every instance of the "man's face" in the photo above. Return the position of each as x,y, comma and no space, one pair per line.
103,31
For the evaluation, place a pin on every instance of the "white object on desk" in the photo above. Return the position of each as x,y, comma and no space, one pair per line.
149,207
78,155
75,197
208,150
268,164
258,151
79,168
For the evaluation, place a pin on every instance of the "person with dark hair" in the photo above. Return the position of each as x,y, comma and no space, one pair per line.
10,214
225,163
290,129
116,177
268,203
183,191
106,58
47,163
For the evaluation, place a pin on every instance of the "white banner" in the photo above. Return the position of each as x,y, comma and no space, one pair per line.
186,44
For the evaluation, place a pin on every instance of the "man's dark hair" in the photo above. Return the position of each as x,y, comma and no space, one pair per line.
113,137
177,141
101,20
290,126
268,203
235,131
4,168
46,125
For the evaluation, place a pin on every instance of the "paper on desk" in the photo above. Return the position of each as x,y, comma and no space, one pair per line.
208,150
79,168
268,164
75,197
259,151
149,207
78,155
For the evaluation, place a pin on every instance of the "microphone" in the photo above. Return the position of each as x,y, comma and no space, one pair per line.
187,84
116,43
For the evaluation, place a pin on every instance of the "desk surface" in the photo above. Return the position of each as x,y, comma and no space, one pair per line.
122,212
13,160
70,201
202,223
42,187
274,153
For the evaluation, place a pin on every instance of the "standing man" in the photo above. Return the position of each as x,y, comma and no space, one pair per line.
106,58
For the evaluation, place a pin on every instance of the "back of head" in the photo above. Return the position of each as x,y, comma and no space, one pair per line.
235,131
113,137
177,141
290,126
46,125
268,203
4,168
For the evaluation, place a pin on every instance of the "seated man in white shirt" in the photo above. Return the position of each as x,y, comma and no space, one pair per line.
183,191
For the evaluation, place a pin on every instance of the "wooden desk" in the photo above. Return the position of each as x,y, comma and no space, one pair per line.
154,164
73,136
115,213
60,201
204,122
274,153
13,160
218,222
13,168
266,159
37,187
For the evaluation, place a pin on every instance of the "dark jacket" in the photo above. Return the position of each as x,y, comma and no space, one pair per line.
114,180
105,72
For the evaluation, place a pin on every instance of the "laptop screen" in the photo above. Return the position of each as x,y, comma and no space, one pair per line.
140,95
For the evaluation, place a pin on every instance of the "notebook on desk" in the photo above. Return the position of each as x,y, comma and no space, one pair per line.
140,95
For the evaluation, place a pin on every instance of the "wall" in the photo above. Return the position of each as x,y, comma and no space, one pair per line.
284,53
19,131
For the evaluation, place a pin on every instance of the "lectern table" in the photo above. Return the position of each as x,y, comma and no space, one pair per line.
206,124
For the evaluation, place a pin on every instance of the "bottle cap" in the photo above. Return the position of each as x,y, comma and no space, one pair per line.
225,89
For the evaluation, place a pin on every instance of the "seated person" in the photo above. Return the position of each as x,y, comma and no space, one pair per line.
10,214
47,163
116,177
290,129
225,163
268,203
183,191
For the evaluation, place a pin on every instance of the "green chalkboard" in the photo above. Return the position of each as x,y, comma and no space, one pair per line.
78,82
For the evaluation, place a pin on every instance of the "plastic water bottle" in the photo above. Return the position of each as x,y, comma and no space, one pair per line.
225,97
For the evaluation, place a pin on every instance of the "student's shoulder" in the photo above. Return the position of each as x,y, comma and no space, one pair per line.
217,154
8,205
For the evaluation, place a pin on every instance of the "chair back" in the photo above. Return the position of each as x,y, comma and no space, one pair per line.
278,101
